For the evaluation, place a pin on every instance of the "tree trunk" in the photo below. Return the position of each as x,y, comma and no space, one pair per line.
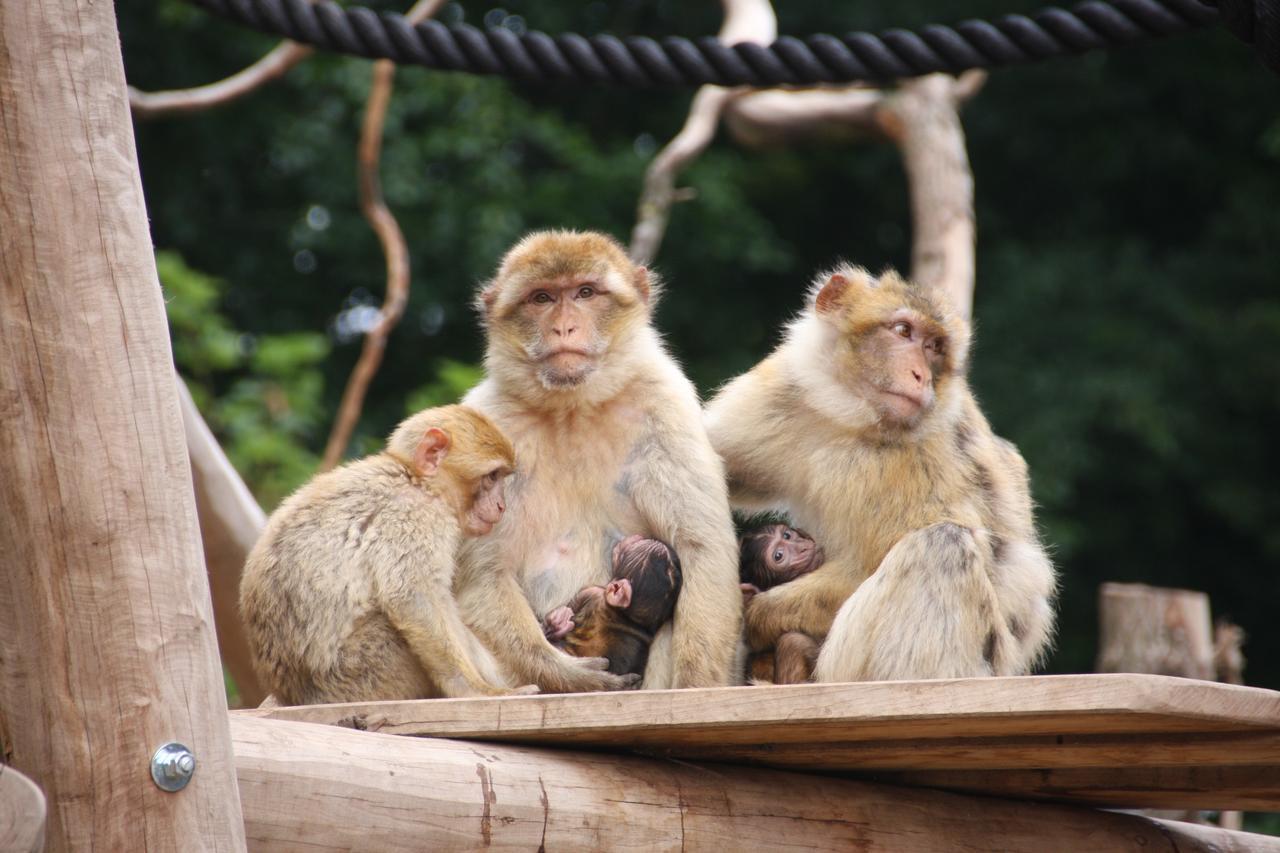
108,648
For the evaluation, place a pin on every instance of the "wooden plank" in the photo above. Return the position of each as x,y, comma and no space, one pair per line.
107,630
1249,787
299,782
22,811
995,726
973,707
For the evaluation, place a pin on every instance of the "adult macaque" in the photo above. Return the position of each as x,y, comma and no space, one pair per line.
862,427
618,621
768,556
347,595
610,438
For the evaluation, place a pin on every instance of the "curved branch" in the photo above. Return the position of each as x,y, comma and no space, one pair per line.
394,249
745,20
275,64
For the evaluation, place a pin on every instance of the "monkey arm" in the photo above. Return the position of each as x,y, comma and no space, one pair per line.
678,487
496,609
427,617
745,435
807,604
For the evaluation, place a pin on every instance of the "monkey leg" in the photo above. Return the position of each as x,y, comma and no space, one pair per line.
794,658
760,667
929,611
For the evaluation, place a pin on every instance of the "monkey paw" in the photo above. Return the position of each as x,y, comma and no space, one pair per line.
525,690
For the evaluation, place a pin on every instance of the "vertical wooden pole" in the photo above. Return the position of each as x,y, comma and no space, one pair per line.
107,647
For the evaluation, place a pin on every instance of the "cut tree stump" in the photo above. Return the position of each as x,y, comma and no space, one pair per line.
22,810
1109,740
1151,629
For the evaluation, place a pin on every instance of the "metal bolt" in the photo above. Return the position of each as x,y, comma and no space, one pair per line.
172,767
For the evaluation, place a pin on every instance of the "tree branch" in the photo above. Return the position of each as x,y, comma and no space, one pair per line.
285,55
394,248
745,20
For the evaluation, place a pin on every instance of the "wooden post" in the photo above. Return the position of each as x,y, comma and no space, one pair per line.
1150,629
107,630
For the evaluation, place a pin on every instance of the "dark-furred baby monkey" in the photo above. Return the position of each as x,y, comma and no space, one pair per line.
617,621
770,556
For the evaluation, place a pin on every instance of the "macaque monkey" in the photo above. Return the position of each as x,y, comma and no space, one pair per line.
862,427
610,437
618,621
768,556
347,595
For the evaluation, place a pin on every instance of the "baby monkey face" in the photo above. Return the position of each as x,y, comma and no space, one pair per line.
777,553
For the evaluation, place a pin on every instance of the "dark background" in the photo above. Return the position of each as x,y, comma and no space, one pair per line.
1127,312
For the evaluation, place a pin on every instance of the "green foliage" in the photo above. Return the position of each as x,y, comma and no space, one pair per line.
1127,306
261,395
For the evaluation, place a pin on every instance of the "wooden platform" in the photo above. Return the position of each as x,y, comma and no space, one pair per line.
1108,740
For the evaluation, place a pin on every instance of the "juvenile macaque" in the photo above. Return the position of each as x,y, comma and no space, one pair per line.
861,426
610,437
347,596
618,620
769,556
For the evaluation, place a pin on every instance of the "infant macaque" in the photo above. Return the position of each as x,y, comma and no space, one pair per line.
769,556
617,621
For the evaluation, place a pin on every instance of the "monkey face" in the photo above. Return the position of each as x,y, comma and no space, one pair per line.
897,347
558,304
487,504
776,553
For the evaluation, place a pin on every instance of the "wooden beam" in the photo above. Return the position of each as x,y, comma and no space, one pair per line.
1188,730
107,631
299,783
230,522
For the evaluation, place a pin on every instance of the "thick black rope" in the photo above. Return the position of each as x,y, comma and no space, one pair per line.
640,62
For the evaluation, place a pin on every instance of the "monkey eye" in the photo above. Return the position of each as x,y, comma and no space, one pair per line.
491,477
902,330
586,291
786,534
540,298
937,345
777,556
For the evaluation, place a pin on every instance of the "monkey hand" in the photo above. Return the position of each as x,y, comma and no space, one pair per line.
591,675
558,623
524,690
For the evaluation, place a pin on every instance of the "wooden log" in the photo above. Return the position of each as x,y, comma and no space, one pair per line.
22,811
991,729
109,649
1149,629
230,522
319,788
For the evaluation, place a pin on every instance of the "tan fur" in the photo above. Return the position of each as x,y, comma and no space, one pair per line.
347,596
934,568
621,452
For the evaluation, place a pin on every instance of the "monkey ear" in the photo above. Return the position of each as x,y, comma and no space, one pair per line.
642,283
488,296
832,292
431,451
618,593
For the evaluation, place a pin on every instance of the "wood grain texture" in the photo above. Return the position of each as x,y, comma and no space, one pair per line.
107,631
22,812
996,726
316,788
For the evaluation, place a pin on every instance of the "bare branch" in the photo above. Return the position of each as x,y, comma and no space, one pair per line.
744,20
780,116
394,249
282,57
923,118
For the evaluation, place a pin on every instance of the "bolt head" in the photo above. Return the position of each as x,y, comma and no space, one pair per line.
172,767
